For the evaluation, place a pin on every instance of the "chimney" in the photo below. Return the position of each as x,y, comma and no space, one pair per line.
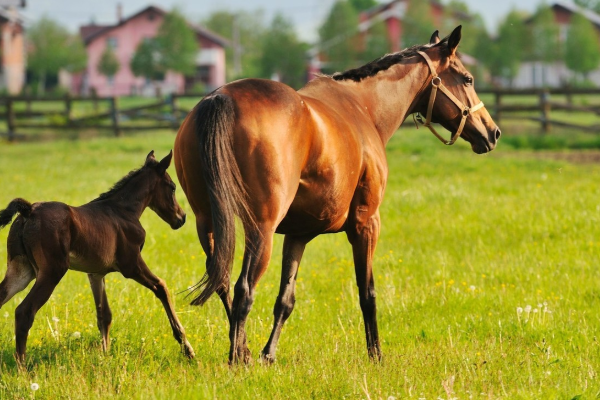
119,13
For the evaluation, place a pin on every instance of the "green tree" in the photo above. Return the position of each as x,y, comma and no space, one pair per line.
283,53
582,53
545,42
245,31
377,42
593,5
338,36
362,5
108,65
177,44
146,61
457,12
417,23
51,48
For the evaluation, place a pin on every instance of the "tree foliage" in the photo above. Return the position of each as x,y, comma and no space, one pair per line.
582,52
249,28
108,65
593,5
377,42
362,5
417,23
283,53
337,36
146,60
177,44
546,46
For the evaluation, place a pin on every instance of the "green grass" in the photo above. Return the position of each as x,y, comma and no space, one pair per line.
465,240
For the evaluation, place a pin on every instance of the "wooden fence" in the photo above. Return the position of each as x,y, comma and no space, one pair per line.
106,114
542,110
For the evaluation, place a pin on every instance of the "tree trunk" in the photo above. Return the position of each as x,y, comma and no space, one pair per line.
42,84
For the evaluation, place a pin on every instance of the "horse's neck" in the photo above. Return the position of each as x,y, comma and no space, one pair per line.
392,95
132,199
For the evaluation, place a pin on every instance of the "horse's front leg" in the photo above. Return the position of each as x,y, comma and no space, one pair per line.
103,313
256,259
363,237
140,272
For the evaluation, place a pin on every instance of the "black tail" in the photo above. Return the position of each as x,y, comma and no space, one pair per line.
20,206
215,117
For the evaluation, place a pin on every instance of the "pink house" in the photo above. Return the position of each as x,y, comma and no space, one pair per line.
124,37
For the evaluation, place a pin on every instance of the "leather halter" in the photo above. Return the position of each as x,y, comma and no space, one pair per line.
436,84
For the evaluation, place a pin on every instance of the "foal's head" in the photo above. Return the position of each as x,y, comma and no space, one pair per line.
479,128
162,196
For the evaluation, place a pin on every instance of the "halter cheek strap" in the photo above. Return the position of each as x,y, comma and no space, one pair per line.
436,84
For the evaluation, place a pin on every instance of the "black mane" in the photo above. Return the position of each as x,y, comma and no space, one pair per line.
120,184
383,63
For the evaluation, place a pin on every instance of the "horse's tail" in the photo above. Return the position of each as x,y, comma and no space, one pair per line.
20,206
215,117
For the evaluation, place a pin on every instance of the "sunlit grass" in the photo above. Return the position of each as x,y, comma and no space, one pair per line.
466,242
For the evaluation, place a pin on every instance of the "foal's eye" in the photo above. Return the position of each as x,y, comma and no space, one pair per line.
468,80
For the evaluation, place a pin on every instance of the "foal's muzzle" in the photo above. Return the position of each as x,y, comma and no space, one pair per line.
179,223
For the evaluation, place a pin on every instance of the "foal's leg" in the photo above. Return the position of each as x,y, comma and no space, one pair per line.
363,237
256,259
293,248
103,313
47,280
18,275
142,274
205,234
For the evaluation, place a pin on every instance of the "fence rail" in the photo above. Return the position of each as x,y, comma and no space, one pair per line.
108,114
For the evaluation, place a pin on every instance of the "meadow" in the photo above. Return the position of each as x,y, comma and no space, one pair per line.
486,274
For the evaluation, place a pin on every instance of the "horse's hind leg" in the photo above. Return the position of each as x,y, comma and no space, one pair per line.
363,237
293,248
103,313
256,259
18,275
205,234
142,274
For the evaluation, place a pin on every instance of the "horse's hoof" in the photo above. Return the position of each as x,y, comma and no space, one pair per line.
189,351
242,356
267,359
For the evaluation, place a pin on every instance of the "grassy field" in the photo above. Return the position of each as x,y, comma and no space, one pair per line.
466,242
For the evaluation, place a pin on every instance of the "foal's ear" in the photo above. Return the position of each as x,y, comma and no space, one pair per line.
165,162
150,158
454,39
435,38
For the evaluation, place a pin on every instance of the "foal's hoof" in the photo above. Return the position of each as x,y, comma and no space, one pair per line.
188,351
242,356
375,355
267,359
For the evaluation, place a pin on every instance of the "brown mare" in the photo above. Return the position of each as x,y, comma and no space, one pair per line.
311,162
102,236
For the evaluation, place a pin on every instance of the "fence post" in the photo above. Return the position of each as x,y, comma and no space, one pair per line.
10,119
68,108
497,106
114,115
545,108
174,112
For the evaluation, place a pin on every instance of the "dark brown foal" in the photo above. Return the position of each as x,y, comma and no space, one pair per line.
102,236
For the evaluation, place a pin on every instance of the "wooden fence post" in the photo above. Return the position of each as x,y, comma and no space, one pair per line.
497,106
68,109
545,108
174,112
10,119
114,115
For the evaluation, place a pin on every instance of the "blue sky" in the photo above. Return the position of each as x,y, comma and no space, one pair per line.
306,14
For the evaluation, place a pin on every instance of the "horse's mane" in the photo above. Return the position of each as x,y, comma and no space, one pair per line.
383,63
120,184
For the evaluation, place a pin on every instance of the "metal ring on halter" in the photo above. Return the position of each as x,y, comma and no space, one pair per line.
466,112
439,81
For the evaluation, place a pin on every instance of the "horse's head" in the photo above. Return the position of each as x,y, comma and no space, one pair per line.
449,97
162,199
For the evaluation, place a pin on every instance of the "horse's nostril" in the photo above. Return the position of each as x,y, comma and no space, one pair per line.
183,219
498,133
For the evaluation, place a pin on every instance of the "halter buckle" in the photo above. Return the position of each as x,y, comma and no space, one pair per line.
436,81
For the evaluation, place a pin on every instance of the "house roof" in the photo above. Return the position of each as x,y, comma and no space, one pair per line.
91,32
574,8
11,15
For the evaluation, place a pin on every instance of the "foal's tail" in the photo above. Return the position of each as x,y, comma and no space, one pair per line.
20,206
215,117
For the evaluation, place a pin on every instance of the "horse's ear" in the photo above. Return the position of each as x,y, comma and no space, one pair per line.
454,39
150,158
163,165
435,38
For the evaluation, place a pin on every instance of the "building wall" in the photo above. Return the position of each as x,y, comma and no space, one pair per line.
13,57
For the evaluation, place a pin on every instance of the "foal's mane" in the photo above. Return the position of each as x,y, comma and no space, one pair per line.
383,63
121,183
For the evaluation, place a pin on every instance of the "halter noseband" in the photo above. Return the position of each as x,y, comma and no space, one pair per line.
436,84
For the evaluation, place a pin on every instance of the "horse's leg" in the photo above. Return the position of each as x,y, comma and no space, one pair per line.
293,248
47,280
142,274
103,313
363,237
259,245
205,234
18,275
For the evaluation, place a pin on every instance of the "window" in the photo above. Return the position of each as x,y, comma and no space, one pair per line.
111,42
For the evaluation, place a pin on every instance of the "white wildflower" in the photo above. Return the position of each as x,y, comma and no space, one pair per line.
34,386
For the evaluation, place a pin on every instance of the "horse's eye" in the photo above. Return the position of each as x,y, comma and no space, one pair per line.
468,80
